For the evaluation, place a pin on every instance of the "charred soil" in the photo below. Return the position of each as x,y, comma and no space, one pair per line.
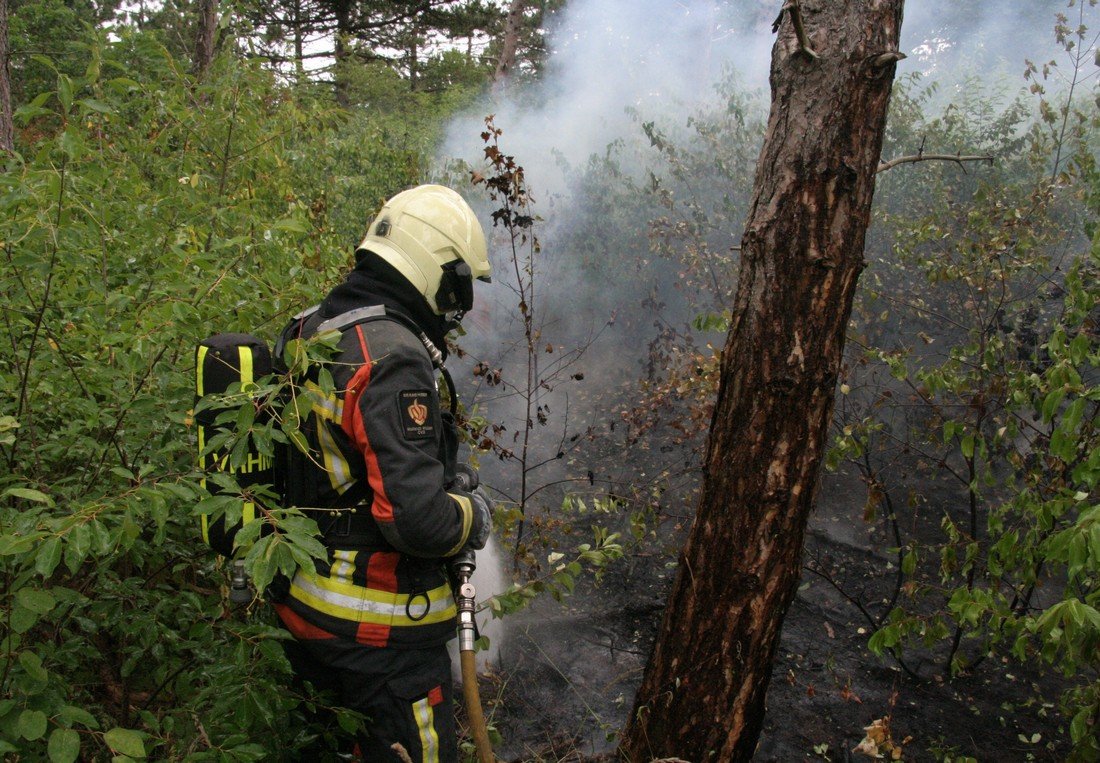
568,671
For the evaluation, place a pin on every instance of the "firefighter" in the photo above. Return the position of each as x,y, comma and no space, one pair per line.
371,624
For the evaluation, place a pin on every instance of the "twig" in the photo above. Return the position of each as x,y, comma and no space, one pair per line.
923,157
863,611
40,314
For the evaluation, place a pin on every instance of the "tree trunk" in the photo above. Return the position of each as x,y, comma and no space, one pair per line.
413,55
204,36
299,36
342,10
703,692
7,129
510,43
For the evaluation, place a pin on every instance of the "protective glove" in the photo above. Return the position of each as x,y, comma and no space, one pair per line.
483,520
466,478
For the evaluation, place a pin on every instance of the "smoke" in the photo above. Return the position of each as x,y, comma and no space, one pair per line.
609,59
949,40
614,65
617,64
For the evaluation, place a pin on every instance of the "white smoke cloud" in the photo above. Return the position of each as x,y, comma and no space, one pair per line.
611,56
617,63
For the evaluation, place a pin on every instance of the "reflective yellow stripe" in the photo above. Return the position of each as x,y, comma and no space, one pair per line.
366,605
336,466
343,565
429,740
328,406
200,361
467,521
201,430
248,509
245,354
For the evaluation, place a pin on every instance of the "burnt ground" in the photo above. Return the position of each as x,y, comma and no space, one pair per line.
568,672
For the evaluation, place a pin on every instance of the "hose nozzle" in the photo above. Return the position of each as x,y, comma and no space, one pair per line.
462,568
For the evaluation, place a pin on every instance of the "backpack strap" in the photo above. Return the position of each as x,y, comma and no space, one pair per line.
345,321
293,330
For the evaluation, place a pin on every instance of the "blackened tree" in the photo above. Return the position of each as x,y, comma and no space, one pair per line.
702,696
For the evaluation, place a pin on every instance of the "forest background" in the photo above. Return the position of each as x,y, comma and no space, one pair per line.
177,169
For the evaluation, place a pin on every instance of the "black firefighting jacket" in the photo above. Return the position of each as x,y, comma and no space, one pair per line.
382,452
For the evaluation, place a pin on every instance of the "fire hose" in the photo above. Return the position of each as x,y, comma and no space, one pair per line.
465,594
463,565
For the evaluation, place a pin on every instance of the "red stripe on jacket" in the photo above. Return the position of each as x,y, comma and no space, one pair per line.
373,635
352,424
299,627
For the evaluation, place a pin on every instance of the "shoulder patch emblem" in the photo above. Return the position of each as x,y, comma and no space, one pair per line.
417,414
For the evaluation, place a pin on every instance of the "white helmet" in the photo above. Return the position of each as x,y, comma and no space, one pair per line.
433,238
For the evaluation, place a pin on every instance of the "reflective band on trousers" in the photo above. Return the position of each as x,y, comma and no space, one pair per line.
367,605
425,724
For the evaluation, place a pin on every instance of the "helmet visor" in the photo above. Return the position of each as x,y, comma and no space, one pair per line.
456,288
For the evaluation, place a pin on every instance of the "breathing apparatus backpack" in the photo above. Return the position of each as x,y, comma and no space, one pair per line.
224,362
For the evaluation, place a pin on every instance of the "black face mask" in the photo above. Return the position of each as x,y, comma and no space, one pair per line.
456,288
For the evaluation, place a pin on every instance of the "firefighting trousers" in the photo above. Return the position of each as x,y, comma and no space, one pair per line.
405,694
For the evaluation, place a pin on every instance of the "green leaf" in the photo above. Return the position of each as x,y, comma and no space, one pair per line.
49,556
299,440
44,60
93,105
909,563
11,545
73,714
79,541
967,446
39,602
32,664
31,724
29,494
125,741
22,619
64,746
291,224
1051,403
65,91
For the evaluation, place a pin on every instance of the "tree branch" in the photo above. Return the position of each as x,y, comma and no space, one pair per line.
923,157
792,7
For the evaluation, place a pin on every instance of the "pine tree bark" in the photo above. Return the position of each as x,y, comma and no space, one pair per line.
204,36
702,696
299,42
513,22
341,52
7,128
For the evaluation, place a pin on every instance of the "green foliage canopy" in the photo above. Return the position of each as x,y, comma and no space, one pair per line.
142,213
